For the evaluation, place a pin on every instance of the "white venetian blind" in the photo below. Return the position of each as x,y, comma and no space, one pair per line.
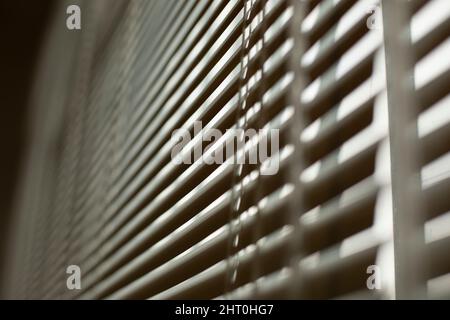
362,112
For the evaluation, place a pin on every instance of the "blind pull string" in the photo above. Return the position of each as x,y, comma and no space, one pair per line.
237,184
297,164
258,193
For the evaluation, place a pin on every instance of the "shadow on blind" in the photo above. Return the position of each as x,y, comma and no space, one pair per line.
358,207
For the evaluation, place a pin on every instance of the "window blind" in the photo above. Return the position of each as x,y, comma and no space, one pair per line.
362,115
423,72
